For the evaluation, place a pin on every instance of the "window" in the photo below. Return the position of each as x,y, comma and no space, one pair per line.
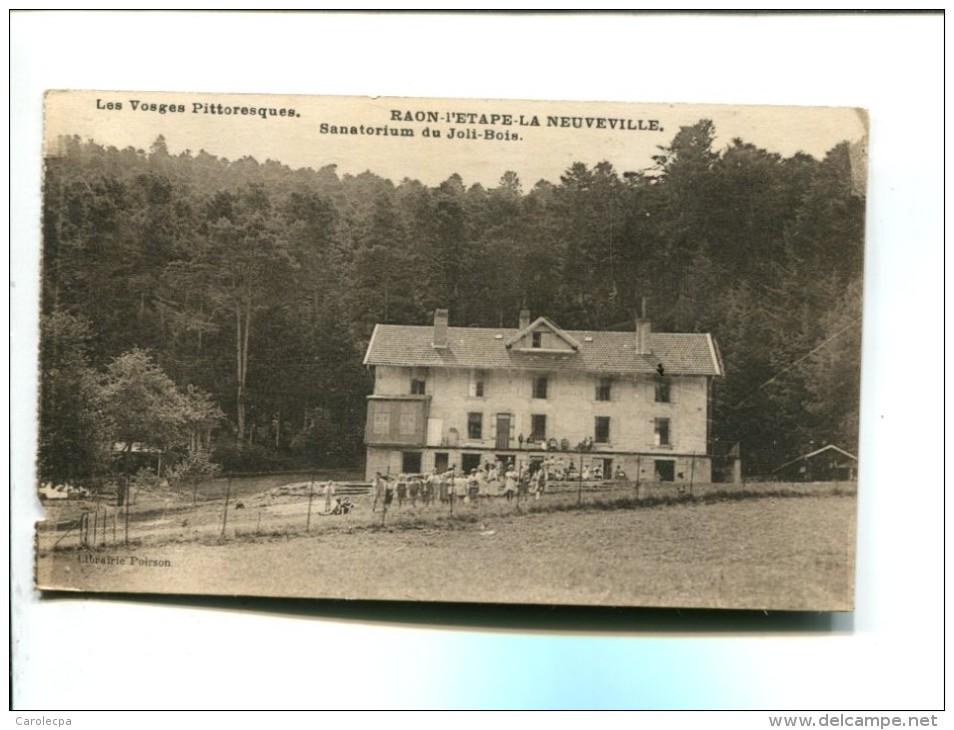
538,428
604,389
417,386
602,430
539,387
468,462
662,392
537,339
477,379
665,470
408,423
411,462
503,430
475,425
382,422
661,432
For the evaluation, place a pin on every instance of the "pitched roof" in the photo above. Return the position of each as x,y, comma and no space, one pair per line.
816,452
562,334
482,348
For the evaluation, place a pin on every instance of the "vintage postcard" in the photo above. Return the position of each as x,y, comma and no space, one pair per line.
455,350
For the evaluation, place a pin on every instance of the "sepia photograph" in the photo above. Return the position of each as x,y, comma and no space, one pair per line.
238,247
451,350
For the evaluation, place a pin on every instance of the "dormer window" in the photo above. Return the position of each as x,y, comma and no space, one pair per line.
543,336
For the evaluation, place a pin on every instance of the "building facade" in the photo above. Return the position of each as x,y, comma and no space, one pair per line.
632,403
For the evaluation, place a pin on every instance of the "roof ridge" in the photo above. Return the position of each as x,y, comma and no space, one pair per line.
567,331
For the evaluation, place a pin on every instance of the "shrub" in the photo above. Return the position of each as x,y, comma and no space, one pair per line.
195,467
248,458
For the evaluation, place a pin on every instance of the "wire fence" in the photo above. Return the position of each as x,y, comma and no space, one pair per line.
224,511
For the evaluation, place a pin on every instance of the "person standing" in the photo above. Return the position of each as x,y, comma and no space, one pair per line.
329,493
443,492
493,485
401,489
378,490
430,486
510,483
473,487
460,487
523,484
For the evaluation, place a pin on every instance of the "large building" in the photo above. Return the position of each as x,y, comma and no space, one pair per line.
635,402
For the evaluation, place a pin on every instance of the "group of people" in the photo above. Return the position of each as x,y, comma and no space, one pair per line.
488,481
559,470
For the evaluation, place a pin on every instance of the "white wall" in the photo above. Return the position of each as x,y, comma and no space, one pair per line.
570,407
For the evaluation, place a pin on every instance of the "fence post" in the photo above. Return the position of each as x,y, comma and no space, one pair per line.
579,494
127,498
225,512
638,469
452,489
519,482
311,496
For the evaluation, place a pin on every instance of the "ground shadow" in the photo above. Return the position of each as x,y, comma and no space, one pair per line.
506,617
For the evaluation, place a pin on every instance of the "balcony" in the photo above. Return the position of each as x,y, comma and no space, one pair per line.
399,420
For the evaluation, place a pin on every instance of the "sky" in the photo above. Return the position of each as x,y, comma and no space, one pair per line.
536,139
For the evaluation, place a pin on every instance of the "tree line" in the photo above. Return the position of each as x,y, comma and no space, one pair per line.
231,301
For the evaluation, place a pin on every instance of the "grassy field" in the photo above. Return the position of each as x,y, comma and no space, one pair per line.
765,552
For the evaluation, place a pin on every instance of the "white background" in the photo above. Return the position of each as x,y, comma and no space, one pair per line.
76,653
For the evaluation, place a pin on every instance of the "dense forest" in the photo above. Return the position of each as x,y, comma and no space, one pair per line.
218,310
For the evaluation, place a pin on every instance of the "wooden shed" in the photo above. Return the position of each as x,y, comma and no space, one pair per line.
827,464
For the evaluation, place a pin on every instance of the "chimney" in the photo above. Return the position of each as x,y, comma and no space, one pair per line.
644,329
440,328
524,319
